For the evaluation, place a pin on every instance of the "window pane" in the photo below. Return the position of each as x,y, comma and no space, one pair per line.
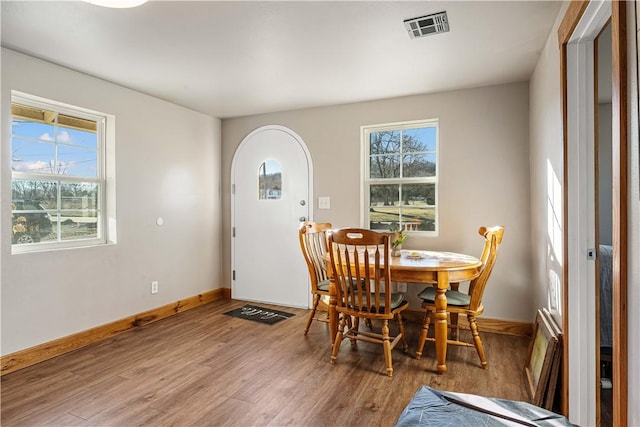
422,139
30,220
36,216
418,194
78,197
383,218
32,130
81,138
78,210
30,156
44,192
384,195
270,180
418,165
384,142
385,167
76,161
79,227
418,219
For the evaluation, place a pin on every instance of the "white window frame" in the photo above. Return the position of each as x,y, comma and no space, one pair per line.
105,178
366,181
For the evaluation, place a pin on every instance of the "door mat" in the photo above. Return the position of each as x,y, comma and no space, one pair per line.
259,314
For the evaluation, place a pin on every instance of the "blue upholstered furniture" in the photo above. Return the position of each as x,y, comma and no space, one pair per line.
430,407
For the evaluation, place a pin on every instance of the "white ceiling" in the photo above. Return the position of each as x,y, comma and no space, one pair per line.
236,58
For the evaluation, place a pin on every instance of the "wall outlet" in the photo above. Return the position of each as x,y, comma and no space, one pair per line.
324,202
154,287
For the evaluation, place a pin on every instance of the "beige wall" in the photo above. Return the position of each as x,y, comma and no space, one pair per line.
546,163
167,165
484,175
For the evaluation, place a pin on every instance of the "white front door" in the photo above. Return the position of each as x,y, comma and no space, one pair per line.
271,186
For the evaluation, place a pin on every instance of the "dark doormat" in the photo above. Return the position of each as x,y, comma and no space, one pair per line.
259,314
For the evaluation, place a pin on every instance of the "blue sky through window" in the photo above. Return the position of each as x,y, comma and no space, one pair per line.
44,148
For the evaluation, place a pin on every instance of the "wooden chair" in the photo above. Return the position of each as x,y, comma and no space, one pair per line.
313,242
360,266
469,304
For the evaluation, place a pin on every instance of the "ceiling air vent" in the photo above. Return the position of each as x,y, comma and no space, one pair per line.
427,25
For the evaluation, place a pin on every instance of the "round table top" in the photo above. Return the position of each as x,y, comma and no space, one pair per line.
415,260
433,260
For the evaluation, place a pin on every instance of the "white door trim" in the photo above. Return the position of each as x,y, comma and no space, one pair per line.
581,212
247,138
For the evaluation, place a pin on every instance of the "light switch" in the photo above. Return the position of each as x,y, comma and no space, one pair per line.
324,202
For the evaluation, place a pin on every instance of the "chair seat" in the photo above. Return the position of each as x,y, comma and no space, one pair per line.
323,285
455,298
396,300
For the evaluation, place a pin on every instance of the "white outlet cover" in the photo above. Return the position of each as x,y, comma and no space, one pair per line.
324,202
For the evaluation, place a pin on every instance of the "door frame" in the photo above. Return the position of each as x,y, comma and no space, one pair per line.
307,154
582,19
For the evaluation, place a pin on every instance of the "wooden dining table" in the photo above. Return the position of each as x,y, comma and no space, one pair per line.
421,267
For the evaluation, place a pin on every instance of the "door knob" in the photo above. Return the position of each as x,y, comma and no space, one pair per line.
303,219
302,202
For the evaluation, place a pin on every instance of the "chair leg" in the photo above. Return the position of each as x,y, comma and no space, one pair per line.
405,346
453,317
423,335
354,332
455,329
312,314
386,343
336,343
477,341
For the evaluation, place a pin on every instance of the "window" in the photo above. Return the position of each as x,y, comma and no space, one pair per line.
401,176
57,175
270,180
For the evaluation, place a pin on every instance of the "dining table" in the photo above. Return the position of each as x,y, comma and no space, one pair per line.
424,268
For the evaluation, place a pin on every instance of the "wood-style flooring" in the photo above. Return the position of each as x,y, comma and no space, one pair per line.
203,368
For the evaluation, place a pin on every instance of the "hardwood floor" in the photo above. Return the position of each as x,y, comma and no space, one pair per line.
202,368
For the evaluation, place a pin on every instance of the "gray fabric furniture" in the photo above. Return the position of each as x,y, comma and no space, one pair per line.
430,407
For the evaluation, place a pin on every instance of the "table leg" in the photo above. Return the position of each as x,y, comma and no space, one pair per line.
333,315
441,321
